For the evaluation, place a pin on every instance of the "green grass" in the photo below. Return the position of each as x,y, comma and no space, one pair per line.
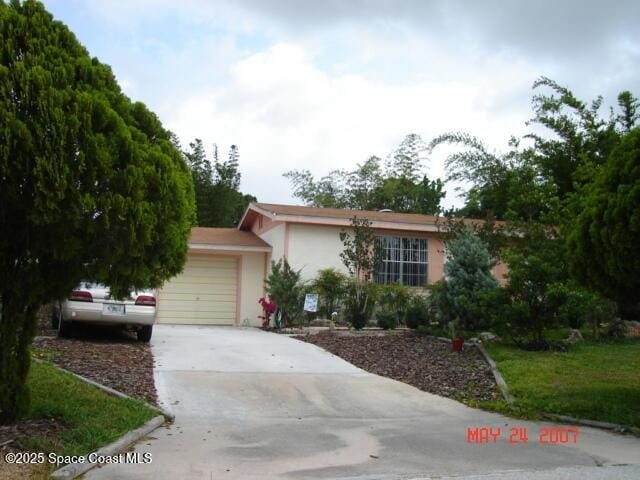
596,381
91,418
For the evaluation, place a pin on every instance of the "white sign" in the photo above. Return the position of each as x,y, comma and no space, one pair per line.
311,302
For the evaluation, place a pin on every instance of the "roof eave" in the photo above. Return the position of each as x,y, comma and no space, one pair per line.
224,246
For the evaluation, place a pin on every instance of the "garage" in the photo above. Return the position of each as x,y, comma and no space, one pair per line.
204,293
221,282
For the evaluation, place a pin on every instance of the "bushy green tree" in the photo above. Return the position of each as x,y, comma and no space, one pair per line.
503,186
285,289
581,140
603,243
91,186
400,186
467,273
537,264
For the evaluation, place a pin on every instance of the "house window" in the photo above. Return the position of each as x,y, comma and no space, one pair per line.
402,260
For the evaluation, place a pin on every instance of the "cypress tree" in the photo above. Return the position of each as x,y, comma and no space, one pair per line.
91,185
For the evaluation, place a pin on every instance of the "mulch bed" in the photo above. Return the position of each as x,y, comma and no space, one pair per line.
109,356
418,360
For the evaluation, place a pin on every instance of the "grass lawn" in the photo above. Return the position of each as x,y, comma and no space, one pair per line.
597,381
90,417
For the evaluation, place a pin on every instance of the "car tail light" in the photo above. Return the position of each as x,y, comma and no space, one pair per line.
80,296
147,300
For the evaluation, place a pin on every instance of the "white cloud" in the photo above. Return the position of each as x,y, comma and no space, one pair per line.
285,113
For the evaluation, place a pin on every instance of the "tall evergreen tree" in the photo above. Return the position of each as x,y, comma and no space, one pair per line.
604,239
219,202
228,172
406,162
467,274
91,186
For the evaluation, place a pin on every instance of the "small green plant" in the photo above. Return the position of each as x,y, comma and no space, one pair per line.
455,329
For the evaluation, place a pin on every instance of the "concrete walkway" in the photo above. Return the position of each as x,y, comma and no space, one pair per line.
256,405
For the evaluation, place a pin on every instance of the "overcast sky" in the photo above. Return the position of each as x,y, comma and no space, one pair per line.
324,84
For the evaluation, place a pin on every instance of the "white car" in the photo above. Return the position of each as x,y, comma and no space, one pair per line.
92,303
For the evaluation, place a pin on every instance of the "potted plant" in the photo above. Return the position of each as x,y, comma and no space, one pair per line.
456,333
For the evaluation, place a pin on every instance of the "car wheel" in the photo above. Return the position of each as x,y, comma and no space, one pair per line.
144,333
55,318
64,327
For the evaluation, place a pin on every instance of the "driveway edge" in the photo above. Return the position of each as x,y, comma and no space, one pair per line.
502,385
75,469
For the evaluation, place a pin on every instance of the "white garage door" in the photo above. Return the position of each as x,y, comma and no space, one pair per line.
204,293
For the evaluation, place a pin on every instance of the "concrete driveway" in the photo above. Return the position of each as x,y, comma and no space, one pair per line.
257,405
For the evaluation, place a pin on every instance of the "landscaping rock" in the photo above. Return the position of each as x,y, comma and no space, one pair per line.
488,337
574,337
415,359
633,328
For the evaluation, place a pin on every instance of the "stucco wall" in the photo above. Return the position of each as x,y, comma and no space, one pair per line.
313,247
251,283
274,236
435,269
310,248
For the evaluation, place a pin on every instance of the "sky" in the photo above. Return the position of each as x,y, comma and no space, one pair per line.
325,84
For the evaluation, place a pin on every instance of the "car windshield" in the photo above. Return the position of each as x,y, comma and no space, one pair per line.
89,285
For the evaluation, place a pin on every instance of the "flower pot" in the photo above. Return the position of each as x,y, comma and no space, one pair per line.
456,344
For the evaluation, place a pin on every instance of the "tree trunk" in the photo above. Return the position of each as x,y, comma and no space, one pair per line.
17,328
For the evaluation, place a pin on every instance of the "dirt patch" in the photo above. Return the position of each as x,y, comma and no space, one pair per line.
12,471
425,363
11,441
109,356
12,436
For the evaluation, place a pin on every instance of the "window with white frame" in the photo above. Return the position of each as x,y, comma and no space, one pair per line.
402,260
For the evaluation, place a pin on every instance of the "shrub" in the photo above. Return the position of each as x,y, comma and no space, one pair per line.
286,290
387,319
359,303
569,303
417,312
331,285
490,312
395,298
